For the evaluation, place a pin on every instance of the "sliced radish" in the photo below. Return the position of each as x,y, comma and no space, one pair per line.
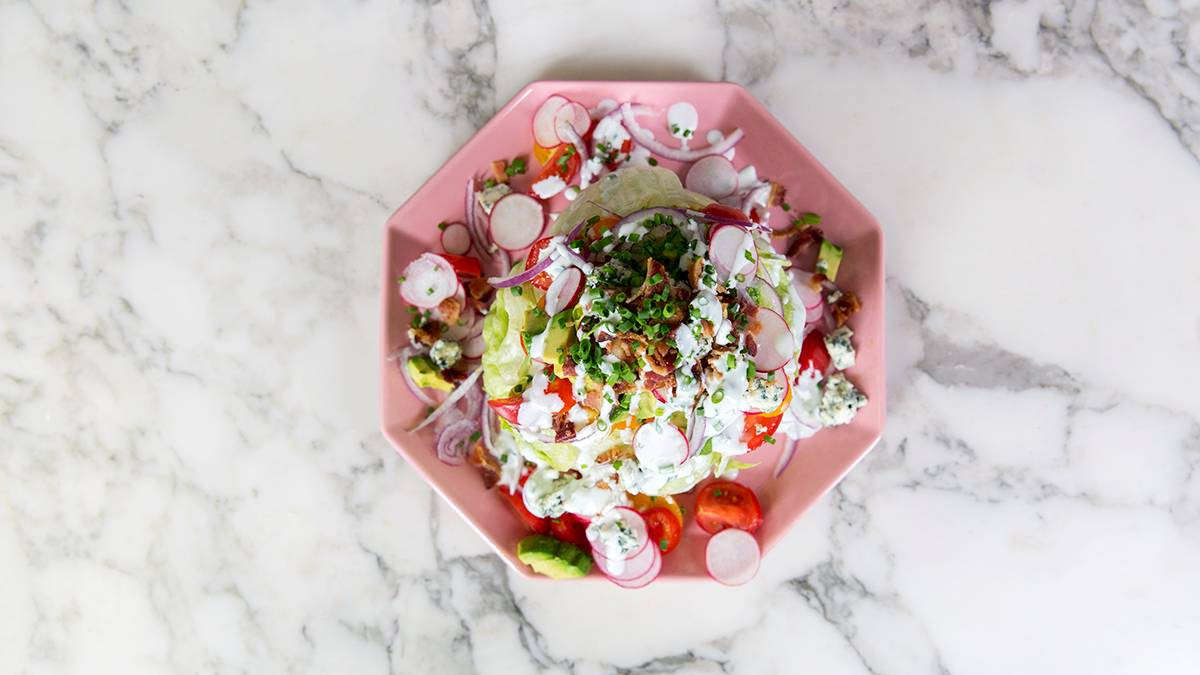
650,574
767,297
564,291
473,347
810,296
658,394
635,523
629,568
747,176
774,340
658,444
814,315
732,556
712,176
428,280
696,431
574,115
732,251
543,121
516,221
456,239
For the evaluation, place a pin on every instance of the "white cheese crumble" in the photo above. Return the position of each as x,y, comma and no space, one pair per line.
840,401
840,348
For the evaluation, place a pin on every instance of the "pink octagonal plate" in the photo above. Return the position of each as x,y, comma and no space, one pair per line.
820,462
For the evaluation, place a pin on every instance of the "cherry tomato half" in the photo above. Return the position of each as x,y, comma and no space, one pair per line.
571,529
664,529
564,163
722,504
542,280
562,387
517,500
813,353
466,267
723,211
506,408
758,427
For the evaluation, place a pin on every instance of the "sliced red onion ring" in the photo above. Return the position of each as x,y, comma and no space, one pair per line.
453,398
469,208
724,220
753,196
522,277
454,443
474,401
647,139
486,415
785,457
402,359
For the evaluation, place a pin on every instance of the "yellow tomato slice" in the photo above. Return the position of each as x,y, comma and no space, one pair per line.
647,502
542,154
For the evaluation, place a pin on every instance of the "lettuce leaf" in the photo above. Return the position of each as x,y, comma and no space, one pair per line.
560,456
505,363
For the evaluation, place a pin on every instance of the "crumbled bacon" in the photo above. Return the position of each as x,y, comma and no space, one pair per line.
427,334
449,310
778,192
564,428
656,380
478,288
661,360
696,271
499,172
845,307
803,240
483,460
614,453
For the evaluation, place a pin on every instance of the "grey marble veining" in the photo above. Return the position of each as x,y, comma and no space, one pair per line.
191,476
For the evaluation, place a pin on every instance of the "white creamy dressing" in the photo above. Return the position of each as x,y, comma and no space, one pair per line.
537,407
682,120
617,540
660,444
716,136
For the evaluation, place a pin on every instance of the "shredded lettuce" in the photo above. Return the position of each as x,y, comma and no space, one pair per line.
505,363
560,456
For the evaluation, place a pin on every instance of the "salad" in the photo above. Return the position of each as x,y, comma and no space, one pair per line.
643,342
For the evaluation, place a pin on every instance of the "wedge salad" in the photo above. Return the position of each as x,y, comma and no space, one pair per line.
643,342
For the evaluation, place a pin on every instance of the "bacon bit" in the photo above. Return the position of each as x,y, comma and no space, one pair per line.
775,198
488,467
653,379
568,366
453,376
614,453
593,399
661,361
845,307
603,484
450,309
498,170
478,288
751,344
647,288
816,280
707,328
695,271
804,239
564,428
426,335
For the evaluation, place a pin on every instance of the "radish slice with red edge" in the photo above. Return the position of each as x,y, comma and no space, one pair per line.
428,280
658,394
516,221
627,569
575,116
564,291
767,297
774,340
473,347
712,176
696,431
645,579
732,251
810,296
635,523
543,121
732,556
814,315
456,239
660,443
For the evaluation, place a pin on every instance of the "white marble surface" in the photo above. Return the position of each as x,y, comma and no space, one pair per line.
191,203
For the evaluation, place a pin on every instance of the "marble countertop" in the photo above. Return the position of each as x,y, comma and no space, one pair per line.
192,478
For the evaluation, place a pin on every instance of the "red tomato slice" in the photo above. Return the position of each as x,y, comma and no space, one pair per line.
722,211
538,525
664,528
571,529
562,387
558,166
813,353
465,267
758,427
542,280
507,408
722,504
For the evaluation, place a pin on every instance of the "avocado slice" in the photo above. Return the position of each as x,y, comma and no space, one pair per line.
557,338
829,259
425,374
553,558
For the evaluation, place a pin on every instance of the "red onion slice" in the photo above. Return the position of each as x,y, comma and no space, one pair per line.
522,277
454,443
785,457
452,399
647,139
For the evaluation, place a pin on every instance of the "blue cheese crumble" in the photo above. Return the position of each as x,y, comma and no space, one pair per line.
445,354
840,401
841,350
